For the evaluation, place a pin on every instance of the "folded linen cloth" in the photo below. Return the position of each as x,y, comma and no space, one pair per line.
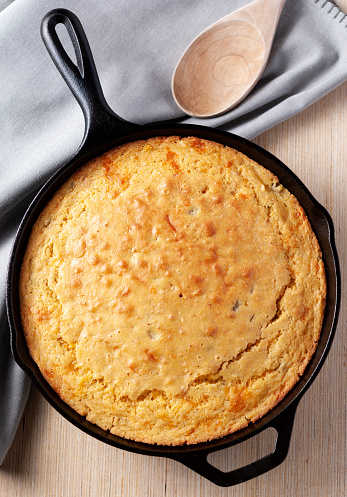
136,46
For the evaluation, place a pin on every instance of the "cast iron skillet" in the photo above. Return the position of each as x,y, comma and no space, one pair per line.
104,130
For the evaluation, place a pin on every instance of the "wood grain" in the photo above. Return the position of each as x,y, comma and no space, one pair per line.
52,458
224,63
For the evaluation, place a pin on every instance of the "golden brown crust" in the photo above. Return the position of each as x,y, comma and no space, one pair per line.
172,291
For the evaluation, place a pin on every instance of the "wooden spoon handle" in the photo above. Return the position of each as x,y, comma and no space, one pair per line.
262,13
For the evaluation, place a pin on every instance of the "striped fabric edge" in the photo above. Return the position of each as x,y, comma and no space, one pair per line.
333,10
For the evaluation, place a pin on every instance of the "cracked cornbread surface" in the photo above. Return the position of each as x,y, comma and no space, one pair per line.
172,291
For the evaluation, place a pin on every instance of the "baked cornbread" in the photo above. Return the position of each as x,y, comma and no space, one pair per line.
172,291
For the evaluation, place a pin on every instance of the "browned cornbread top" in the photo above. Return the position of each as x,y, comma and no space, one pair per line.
172,291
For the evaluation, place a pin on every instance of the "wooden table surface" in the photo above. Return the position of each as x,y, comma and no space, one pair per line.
52,458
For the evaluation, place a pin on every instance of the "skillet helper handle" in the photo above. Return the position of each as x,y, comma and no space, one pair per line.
82,79
283,424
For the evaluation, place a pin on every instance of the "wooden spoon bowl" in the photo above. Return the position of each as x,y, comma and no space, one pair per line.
224,63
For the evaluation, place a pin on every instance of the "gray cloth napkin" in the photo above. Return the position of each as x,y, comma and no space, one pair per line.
136,45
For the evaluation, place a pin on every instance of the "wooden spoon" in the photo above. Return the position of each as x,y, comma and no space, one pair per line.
224,63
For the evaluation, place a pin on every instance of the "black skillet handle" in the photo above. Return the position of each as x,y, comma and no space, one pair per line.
101,122
283,424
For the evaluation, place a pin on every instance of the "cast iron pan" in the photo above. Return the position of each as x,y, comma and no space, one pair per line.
104,130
